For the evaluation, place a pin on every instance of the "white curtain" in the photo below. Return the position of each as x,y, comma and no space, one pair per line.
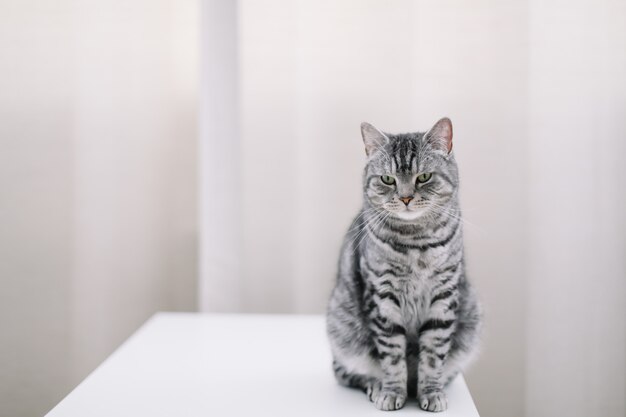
576,359
536,91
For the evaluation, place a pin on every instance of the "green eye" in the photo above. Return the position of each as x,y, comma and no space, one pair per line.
425,177
388,179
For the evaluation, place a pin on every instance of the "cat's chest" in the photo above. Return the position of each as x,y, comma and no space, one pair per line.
414,293
414,290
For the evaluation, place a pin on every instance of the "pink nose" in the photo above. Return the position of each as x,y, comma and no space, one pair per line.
406,200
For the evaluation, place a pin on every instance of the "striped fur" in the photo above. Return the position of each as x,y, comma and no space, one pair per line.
403,318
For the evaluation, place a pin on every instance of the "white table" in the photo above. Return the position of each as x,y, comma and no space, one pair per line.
188,365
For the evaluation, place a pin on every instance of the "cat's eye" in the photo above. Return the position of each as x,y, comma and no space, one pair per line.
388,179
425,177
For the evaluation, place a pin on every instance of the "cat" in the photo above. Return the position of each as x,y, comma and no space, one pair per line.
402,317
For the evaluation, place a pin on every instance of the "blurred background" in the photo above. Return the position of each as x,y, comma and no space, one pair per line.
206,156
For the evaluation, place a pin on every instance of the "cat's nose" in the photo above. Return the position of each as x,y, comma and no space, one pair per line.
406,200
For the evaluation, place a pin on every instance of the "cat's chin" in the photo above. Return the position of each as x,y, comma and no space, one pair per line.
409,215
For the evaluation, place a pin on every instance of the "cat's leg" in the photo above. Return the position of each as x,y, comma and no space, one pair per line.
435,341
434,349
465,340
390,342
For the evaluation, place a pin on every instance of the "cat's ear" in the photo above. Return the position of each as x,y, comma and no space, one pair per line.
372,138
440,135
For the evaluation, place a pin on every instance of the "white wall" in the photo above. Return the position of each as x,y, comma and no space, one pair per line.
97,184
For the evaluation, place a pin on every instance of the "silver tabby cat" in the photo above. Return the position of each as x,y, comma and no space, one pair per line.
402,318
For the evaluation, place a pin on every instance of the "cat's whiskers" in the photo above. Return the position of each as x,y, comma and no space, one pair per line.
378,219
364,224
362,214
378,223
455,214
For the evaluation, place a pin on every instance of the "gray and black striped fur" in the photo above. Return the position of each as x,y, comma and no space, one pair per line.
403,319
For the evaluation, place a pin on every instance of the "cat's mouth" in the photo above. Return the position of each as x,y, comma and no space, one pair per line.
410,214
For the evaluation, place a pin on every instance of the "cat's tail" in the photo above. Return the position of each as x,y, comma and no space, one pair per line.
352,380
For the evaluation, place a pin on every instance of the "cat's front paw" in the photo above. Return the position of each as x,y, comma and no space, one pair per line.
433,401
373,389
386,400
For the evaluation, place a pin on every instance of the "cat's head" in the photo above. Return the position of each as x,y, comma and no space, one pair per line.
412,174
